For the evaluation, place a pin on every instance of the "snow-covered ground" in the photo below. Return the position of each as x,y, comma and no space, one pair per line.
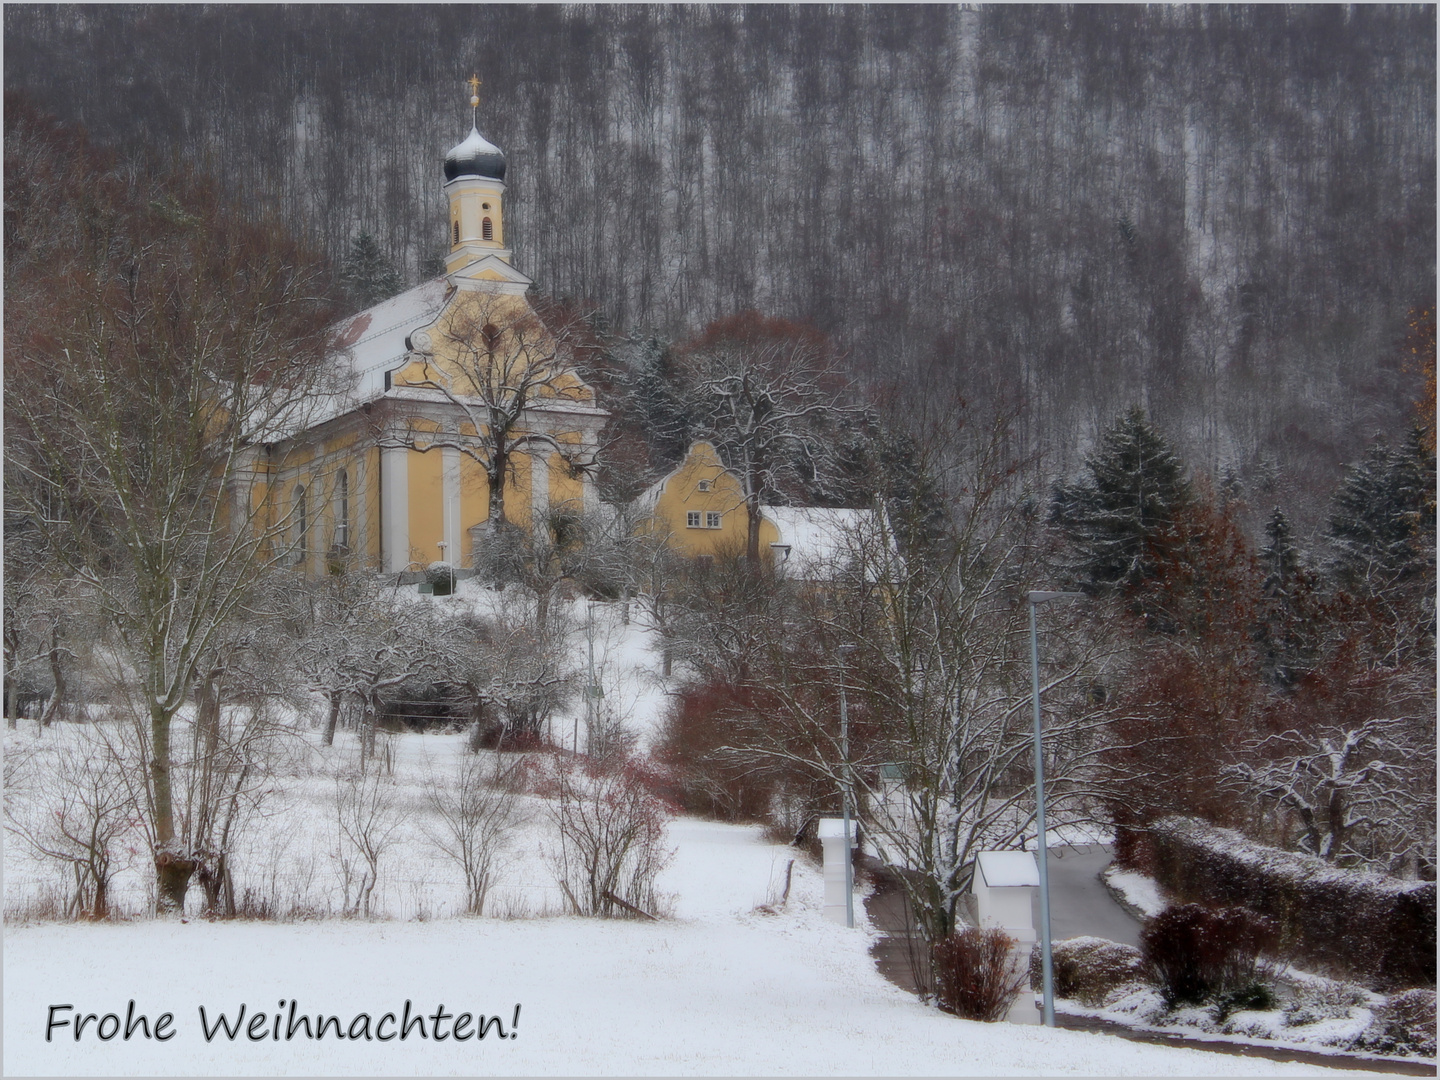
719,989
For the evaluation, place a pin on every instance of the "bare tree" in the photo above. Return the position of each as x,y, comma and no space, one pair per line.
146,353
507,370
770,396
1346,783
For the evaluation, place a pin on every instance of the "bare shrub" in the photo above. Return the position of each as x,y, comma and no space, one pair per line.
366,822
977,976
1089,969
1197,953
611,842
79,809
476,816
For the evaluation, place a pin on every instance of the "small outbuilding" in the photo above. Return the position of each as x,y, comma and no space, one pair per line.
1004,884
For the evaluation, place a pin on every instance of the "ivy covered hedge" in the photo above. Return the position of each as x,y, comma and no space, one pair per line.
1366,926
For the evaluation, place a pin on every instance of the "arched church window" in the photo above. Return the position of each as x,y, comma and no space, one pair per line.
342,509
299,522
490,334
487,231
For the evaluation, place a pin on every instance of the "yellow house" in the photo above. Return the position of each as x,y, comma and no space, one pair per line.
700,508
453,382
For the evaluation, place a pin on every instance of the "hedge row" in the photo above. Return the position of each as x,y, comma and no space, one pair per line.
1365,926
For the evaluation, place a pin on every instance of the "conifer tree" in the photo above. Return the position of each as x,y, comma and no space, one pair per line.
1115,517
1289,629
368,276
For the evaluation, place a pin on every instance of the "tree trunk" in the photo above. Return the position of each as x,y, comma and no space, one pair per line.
57,695
172,867
328,739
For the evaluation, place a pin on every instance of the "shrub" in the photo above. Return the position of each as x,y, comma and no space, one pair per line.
1089,969
1197,953
611,830
976,975
1364,925
1405,1024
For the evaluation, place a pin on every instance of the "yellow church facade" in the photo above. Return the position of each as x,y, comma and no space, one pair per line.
452,382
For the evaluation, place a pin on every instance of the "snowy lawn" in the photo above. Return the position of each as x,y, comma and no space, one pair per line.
719,989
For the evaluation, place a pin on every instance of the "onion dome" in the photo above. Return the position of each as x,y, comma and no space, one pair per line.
476,156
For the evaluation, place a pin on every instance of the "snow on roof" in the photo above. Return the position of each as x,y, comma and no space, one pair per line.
821,541
372,342
1007,869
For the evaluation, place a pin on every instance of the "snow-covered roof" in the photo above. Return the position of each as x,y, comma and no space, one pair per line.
1008,869
372,342
821,540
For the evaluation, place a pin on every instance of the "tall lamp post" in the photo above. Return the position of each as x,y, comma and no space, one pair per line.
1035,599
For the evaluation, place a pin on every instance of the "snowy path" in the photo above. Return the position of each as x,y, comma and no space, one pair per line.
719,989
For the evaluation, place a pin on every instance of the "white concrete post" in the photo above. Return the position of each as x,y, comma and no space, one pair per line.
836,852
395,513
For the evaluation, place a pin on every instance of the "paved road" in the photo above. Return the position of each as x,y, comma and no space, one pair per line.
1079,903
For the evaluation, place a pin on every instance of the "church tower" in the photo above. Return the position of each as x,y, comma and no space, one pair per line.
475,187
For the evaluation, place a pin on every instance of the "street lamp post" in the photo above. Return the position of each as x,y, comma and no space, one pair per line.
1035,599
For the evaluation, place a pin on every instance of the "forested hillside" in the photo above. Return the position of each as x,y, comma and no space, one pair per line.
1221,214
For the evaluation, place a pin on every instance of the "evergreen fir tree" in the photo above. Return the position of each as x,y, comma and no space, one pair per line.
1115,518
368,276
1288,634
1382,540
1378,525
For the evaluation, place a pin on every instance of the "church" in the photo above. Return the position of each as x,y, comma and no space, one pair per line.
461,410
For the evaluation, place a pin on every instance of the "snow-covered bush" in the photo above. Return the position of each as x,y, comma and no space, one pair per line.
1089,969
1369,926
977,976
1405,1024
1198,954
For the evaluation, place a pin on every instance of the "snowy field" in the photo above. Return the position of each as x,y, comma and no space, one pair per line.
719,989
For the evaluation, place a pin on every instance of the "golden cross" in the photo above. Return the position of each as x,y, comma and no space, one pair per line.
474,82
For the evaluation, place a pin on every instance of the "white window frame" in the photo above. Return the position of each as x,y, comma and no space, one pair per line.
692,519
704,485
712,519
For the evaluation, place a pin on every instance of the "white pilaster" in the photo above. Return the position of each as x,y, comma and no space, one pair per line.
395,508
450,493
539,485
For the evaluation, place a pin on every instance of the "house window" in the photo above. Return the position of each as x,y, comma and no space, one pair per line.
704,485
692,519
342,509
712,519
456,231
487,231
300,522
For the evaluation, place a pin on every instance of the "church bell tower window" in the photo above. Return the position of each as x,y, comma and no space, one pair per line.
456,233
487,231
